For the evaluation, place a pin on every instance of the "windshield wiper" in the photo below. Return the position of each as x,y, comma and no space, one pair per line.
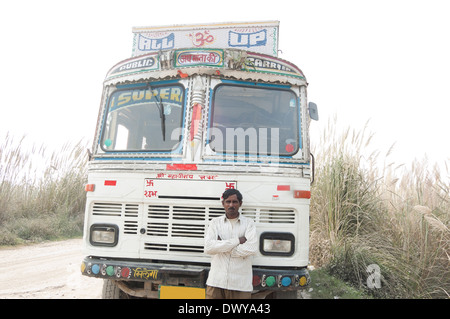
163,119
162,116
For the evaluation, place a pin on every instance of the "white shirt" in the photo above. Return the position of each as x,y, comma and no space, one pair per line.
231,263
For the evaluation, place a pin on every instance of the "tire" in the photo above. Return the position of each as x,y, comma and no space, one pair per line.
111,291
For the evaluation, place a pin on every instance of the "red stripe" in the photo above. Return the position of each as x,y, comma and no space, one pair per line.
110,183
181,167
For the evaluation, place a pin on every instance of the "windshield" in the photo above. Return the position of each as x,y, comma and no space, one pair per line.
144,119
254,120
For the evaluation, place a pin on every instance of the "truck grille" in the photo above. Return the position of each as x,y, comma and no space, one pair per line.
179,221
183,226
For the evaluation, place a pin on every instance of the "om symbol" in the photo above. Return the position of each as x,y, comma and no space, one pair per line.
199,39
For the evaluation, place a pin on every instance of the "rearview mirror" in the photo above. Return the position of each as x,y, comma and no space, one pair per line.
313,111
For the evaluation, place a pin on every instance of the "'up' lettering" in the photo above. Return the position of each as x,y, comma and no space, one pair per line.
248,40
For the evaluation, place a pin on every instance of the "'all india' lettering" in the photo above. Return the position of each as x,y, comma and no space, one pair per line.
150,44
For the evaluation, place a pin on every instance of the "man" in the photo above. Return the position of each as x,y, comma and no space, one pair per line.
231,240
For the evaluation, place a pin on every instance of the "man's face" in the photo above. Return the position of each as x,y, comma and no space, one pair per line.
231,205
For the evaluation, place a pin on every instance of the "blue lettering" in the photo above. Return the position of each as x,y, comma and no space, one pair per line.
149,44
248,40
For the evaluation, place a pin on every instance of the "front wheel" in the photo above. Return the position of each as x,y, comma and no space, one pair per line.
112,291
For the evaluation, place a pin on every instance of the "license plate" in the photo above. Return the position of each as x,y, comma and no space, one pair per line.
177,292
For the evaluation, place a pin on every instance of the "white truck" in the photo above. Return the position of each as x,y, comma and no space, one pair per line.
198,109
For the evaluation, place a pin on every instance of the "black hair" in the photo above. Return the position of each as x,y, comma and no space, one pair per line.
230,192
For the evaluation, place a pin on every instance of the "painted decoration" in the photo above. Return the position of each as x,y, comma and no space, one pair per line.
194,57
260,37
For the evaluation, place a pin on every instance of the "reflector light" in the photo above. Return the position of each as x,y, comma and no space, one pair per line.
89,187
256,281
95,269
302,194
302,281
286,281
110,183
283,188
110,270
270,281
125,272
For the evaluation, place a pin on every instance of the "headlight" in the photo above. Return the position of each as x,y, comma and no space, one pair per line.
277,244
104,235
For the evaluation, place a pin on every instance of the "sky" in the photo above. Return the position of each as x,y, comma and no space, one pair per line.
382,62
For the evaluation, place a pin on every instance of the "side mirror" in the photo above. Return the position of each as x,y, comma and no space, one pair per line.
313,111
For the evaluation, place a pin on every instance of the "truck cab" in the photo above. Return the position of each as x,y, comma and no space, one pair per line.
198,109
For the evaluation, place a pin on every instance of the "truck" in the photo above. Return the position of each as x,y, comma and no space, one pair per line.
196,110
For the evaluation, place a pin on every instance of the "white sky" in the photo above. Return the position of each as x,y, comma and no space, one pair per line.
383,61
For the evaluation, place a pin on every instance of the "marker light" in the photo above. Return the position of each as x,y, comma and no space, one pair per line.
125,272
95,269
110,270
256,281
286,281
270,281
89,187
302,281
302,194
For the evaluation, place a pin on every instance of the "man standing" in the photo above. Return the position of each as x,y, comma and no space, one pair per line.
231,240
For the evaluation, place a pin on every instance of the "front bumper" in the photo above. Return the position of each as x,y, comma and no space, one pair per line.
187,275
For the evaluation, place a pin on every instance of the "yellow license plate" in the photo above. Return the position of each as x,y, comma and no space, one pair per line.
177,292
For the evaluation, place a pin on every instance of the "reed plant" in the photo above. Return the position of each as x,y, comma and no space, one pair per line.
367,211
41,193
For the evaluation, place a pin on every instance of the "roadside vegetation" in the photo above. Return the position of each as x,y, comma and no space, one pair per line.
41,193
384,230
374,232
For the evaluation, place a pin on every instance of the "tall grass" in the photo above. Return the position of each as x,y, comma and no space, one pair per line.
41,193
392,216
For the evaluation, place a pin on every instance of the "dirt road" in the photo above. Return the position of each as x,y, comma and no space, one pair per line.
49,271
46,271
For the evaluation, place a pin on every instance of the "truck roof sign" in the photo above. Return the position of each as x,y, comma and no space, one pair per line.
259,37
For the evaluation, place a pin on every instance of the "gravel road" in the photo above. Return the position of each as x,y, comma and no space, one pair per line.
46,271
